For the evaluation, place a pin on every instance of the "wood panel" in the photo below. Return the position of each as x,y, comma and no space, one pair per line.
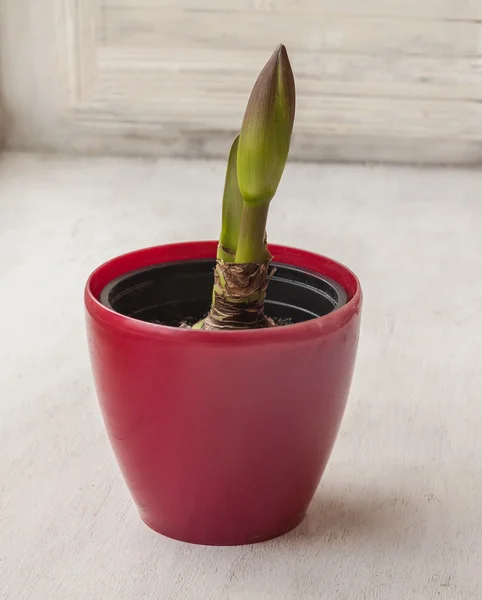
300,32
377,80
209,72
453,10
336,115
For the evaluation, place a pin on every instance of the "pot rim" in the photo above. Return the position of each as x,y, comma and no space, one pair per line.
145,257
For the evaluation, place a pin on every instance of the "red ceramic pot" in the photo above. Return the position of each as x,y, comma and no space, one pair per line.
222,437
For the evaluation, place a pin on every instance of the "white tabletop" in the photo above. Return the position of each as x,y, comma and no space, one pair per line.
399,512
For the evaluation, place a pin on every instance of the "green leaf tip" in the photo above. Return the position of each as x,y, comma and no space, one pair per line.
265,135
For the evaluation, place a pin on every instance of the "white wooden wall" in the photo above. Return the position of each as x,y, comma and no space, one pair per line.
394,80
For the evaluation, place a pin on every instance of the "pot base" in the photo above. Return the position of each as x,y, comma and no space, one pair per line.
220,541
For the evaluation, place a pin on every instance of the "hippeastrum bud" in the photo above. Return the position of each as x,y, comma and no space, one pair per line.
265,136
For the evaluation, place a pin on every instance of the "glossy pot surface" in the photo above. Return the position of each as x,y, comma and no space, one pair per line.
222,437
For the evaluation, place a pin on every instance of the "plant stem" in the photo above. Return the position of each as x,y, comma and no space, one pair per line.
222,254
251,241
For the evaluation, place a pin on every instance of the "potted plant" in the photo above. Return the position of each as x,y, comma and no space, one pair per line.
222,396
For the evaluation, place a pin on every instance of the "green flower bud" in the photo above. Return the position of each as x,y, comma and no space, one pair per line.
265,136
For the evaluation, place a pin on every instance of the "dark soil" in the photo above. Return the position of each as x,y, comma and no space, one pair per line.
188,323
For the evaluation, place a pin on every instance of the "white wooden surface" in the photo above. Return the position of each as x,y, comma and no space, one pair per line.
380,79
